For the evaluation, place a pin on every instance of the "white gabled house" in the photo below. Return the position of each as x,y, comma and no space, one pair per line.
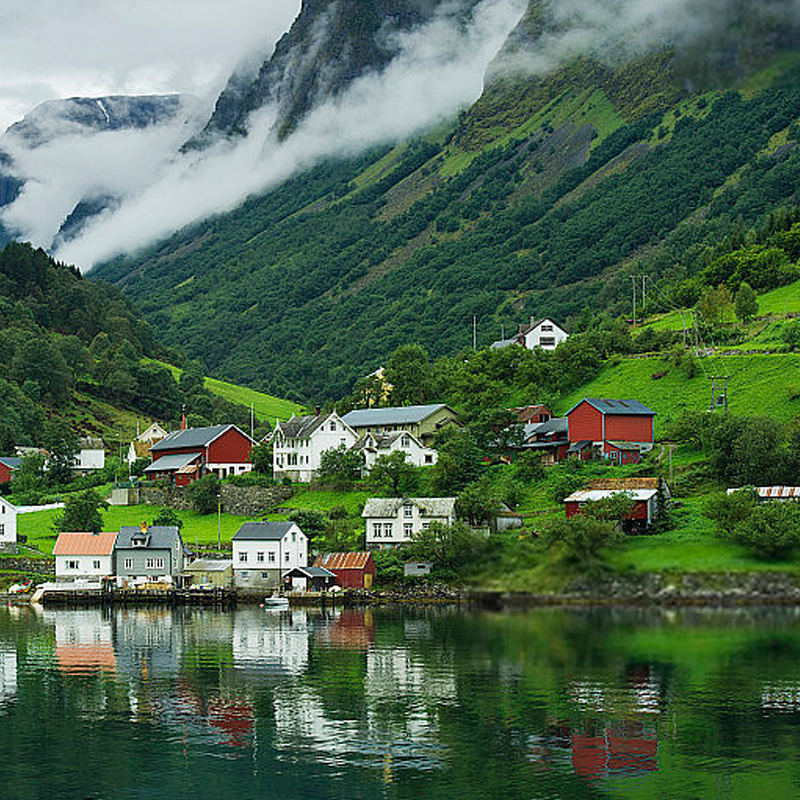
374,445
298,444
263,552
391,521
539,333
84,555
8,527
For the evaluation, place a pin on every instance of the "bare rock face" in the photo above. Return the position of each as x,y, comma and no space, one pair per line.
330,44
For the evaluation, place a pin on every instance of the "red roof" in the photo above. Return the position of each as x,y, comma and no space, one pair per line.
84,544
334,561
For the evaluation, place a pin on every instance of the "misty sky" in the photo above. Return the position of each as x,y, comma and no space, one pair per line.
66,48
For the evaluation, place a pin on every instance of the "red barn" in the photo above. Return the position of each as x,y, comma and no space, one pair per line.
186,455
8,466
352,570
645,504
619,430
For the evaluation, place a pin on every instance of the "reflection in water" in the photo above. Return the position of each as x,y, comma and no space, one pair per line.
381,704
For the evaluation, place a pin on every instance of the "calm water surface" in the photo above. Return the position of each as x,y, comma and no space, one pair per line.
380,704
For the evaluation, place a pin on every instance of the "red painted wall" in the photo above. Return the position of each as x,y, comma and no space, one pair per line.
584,423
233,447
629,428
354,578
639,510
176,451
5,474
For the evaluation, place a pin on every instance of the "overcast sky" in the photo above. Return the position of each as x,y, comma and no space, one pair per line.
68,48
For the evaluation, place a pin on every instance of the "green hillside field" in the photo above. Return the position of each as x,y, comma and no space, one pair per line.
758,384
266,406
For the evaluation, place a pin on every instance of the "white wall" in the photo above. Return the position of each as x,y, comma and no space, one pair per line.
85,567
254,557
8,524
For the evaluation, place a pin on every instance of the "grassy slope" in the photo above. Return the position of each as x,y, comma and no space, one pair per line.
265,406
758,384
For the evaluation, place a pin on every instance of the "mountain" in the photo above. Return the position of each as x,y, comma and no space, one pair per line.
330,45
65,132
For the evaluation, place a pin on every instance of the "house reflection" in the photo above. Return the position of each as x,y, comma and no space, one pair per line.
84,641
351,629
270,642
8,674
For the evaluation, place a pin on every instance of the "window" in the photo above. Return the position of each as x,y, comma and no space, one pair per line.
2,528
150,563
428,458
128,563
387,530
260,557
271,558
547,341
95,564
242,558
159,563
547,328
333,426
376,530
405,441
265,576
294,537
408,510
408,529
287,557
426,525
72,565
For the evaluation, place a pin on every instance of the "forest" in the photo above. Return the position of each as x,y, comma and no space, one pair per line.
306,289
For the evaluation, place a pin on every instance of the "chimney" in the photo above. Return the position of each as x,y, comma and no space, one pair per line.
318,410
533,320
143,527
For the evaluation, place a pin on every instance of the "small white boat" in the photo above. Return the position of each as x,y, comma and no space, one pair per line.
275,603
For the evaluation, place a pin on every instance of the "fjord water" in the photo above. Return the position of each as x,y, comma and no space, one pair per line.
184,703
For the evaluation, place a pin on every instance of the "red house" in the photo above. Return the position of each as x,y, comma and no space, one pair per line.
186,455
619,430
352,570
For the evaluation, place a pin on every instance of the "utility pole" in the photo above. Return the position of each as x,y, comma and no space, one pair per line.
644,293
474,332
633,282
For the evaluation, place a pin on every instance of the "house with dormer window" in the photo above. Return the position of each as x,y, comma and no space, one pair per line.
374,445
298,444
264,552
392,521
147,554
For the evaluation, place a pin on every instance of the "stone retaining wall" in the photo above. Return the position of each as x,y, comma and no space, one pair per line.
245,501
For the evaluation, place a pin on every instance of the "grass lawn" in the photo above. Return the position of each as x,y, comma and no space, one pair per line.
783,300
196,527
306,498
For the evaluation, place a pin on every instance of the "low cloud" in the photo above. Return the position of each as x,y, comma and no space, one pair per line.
440,70
614,30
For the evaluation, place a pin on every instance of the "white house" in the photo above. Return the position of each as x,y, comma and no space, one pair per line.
391,521
263,552
140,446
298,444
373,445
91,457
8,527
84,555
542,333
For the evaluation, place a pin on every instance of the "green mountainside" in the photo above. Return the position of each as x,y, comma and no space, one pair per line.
543,198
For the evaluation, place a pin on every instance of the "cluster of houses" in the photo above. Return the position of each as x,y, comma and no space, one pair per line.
266,555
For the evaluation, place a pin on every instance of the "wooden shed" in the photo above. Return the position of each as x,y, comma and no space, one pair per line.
352,570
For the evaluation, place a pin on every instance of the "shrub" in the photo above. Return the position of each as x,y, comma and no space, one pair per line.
582,537
202,494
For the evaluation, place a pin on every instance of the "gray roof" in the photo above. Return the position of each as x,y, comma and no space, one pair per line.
158,537
192,437
620,407
552,426
382,440
171,462
209,565
12,462
400,415
301,427
502,343
264,531
429,506
312,572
